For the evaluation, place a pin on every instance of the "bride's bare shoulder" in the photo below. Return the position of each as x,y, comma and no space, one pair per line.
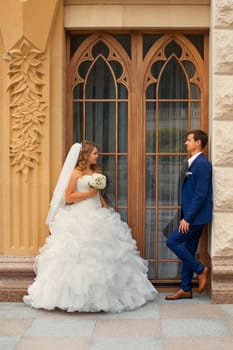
76,173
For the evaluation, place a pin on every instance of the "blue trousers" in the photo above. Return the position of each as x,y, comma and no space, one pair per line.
185,245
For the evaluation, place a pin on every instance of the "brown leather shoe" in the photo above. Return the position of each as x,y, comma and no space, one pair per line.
180,294
202,279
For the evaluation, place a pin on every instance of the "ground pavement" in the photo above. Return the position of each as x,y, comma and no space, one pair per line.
160,325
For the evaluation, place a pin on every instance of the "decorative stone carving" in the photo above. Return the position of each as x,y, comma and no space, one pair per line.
223,147
223,97
223,13
27,105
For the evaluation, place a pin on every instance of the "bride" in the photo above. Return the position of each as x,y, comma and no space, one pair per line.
90,262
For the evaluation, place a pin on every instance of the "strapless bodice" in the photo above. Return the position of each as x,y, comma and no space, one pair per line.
83,183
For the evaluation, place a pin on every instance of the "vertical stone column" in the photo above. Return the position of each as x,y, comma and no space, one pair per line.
221,96
32,83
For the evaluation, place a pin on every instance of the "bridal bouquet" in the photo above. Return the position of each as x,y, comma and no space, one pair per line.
98,181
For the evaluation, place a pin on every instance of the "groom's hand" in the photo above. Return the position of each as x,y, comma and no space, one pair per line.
183,226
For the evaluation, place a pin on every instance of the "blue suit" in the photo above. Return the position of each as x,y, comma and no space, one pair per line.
196,209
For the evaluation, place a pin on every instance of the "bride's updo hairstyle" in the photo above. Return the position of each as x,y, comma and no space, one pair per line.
87,148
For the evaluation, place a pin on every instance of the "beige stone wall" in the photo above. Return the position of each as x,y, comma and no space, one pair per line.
222,125
123,14
31,96
221,121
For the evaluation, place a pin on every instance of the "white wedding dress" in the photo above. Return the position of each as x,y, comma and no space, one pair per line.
89,262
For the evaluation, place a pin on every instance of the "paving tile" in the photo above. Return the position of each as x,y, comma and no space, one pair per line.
14,310
193,327
8,343
148,311
127,328
61,314
62,327
56,343
227,310
190,311
229,324
200,343
146,343
14,327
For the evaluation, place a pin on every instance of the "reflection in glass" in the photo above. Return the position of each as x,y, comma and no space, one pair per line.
107,165
75,41
173,83
156,68
151,92
167,222
100,48
168,174
100,124
78,92
150,127
152,270
125,41
100,82
173,125
122,91
195,91
83,68
123,127
198,41
78,121
169,270
150,180
195,115
150,233
124,214
189,68
173,49
123,180
148,41
117,68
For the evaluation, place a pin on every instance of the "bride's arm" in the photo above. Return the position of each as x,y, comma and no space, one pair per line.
104,204
71,195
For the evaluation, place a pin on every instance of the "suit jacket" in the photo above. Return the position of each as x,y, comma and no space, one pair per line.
197,200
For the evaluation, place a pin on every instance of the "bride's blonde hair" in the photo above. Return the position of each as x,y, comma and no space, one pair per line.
87,148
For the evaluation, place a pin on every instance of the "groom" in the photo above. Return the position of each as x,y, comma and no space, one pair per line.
196,206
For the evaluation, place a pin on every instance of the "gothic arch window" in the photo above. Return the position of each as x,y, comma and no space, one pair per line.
100,111
174,88
136,94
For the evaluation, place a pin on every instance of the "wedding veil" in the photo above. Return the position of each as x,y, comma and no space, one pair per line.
58,199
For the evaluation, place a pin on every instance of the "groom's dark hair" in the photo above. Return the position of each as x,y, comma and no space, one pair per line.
199,135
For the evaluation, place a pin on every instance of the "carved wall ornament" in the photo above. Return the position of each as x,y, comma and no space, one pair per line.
27,105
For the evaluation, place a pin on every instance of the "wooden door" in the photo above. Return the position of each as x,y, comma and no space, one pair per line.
136,94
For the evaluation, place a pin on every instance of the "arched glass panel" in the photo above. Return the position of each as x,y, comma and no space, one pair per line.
173,83
100,114
173,49
78,91
100,83
172,104
100,124
195,91
100,48
172,124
